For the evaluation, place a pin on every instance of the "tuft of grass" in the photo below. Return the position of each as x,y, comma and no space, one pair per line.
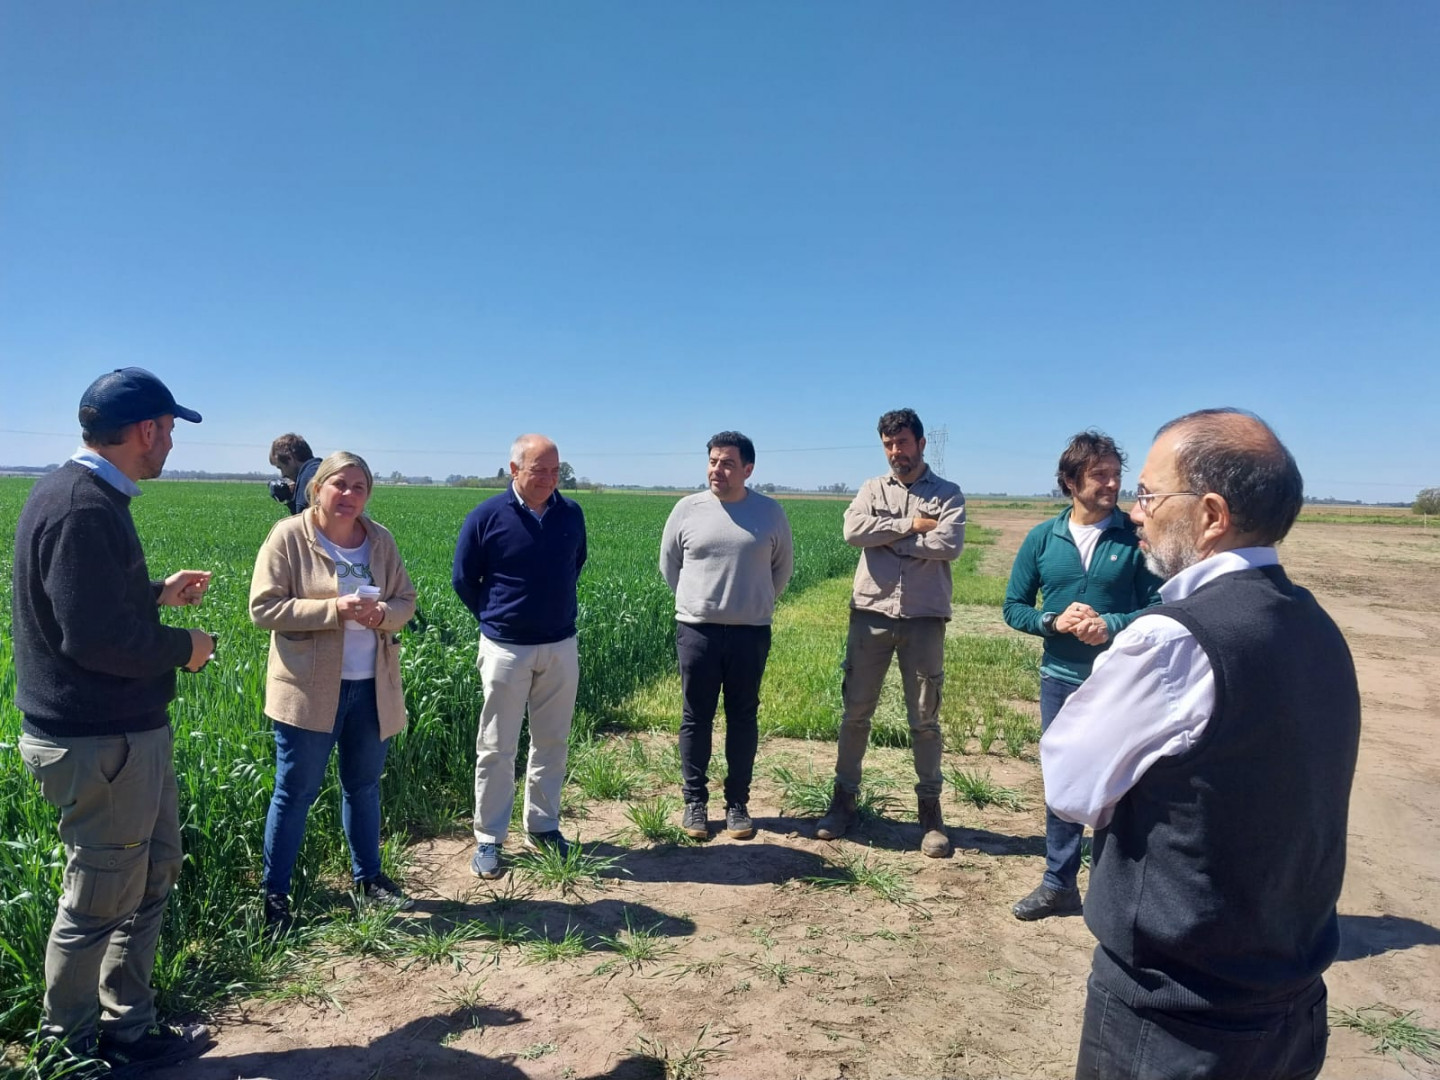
688,1064
535,1051
545,949
809,795
569,873
855,872
970,785
1395,1032
1018,731
602,771
432,946
371,930
472,996
654,821
633,946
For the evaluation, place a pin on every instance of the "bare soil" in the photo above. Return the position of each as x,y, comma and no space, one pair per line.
762,975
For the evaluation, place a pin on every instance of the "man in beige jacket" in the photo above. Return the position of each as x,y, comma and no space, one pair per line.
909,525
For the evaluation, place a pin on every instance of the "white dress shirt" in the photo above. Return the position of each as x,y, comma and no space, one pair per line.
1149,696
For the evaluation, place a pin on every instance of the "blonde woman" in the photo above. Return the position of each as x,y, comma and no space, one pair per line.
330,588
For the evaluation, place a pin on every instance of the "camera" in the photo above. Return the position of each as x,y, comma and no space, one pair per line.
282,490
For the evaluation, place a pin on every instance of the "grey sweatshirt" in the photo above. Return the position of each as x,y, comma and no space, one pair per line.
726,562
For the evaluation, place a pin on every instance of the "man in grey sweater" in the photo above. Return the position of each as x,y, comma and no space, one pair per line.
727,554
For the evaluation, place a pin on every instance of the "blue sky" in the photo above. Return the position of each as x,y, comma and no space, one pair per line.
415,230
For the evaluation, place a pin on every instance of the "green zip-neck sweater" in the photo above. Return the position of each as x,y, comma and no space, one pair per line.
1117,586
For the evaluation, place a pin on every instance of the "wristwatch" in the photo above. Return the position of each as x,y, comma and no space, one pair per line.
1047,621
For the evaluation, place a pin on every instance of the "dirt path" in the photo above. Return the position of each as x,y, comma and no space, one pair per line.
759,974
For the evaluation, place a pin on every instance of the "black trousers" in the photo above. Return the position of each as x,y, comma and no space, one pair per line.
715,658
1284,1041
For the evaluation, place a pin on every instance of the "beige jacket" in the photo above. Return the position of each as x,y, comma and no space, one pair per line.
293,594
904,574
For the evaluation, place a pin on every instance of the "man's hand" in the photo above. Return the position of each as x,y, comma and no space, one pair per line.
202,648
184,588
1092,631
922,524
1072,616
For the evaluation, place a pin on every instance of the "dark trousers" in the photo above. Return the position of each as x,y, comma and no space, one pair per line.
1284,1041
713,659
1062,838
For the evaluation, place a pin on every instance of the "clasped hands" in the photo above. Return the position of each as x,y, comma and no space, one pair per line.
1084,622
365,610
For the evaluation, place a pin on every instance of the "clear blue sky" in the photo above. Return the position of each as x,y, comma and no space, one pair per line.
415,230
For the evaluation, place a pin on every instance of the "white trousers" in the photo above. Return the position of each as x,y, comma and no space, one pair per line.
544,678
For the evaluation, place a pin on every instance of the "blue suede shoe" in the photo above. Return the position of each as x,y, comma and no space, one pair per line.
485,863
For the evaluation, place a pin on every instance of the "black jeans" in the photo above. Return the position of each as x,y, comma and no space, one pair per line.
714,657
1284,1041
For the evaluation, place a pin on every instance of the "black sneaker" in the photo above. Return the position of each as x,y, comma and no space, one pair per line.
278,919
1045,901
162,1044
695,821
382,891
738,823
553,839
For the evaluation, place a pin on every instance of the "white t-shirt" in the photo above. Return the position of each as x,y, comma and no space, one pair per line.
352,569
1086,537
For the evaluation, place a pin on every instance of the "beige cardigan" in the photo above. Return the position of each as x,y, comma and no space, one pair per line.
293,595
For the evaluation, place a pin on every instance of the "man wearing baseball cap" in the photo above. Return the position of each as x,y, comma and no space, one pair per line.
95,672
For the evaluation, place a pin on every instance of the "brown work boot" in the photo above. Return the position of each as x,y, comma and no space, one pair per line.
841,817
935,843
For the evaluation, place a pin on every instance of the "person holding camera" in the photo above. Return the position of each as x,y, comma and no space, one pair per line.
291,454
330,587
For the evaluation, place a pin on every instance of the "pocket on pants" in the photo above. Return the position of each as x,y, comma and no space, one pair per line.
106,881
40,758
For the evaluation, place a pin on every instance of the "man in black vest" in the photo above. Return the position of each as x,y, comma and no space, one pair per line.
1212,750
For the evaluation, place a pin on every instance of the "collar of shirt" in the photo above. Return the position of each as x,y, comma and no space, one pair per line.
1207,570
536,514
106,471
1063,520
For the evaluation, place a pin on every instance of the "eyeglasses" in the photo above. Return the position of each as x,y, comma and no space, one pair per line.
1144,499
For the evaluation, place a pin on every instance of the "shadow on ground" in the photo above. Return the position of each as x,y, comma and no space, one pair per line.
418,1048
1371,935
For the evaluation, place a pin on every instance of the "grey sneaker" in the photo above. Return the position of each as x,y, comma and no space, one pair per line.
383,892
738,823
695,821
552,839
485,863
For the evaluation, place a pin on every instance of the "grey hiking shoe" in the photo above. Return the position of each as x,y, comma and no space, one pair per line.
936,842
161,1044
485,863
695,821
738,823
841,817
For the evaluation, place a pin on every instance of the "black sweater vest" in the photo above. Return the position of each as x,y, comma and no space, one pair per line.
1214,885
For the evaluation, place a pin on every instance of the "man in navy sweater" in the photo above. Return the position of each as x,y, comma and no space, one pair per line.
517,563
1212,749
94,673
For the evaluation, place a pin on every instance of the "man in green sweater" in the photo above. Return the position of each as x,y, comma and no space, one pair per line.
1087,564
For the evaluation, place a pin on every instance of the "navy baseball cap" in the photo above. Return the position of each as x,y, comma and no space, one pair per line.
129,395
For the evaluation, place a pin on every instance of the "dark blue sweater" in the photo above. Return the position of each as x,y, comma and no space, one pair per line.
518,575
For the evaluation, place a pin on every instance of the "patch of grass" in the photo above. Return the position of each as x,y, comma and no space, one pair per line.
1019,732
809,795
432,946
372,931
970,785
545,950
311,988
569,873
690,1064
654,820
633,947
535,1051
1395,1032
602,770
472,996
855,872
782,971
503,933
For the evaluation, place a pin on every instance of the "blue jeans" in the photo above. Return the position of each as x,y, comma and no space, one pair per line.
1062,838
1281,1041
300,760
